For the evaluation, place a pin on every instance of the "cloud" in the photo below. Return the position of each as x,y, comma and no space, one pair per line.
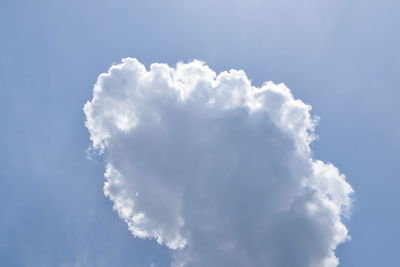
216,169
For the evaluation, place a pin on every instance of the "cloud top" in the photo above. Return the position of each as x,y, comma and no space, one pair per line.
214,168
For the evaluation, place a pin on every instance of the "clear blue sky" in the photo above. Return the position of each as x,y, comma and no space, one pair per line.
343,57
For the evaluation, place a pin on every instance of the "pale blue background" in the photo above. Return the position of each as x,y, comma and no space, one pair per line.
342,56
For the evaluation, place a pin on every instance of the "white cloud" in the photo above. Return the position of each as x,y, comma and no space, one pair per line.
215,168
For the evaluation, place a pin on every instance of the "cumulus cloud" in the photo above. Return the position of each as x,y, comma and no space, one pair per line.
216,169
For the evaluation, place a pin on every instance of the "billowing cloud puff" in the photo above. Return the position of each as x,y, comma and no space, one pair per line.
216,169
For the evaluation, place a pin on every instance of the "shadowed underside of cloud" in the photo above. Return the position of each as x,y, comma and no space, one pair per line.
216,169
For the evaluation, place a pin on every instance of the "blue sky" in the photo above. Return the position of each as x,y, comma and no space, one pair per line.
342,57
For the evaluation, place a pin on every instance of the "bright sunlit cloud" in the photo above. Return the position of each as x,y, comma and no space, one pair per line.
216,169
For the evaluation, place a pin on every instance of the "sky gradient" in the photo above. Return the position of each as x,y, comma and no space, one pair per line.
342,57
